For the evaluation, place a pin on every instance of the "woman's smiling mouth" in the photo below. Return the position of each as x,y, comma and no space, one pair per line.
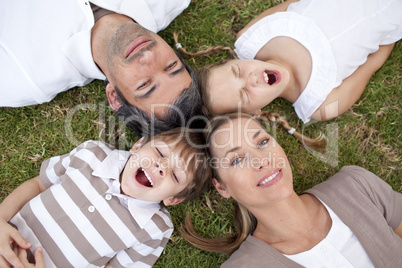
270,179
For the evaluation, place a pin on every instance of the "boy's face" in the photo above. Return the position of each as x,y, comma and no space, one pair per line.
155,172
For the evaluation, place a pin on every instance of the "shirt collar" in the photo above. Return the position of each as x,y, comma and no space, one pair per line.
111,168
78,50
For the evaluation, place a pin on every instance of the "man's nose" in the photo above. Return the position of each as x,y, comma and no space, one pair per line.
148,59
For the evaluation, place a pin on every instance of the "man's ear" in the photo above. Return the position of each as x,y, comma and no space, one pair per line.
137,145
220,188
112,97
173,201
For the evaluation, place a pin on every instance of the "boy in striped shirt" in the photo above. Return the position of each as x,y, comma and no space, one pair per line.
98,206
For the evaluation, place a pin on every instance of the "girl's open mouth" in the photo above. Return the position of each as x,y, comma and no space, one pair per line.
270,77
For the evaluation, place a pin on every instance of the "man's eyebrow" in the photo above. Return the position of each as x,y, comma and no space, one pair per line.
149,92
176,72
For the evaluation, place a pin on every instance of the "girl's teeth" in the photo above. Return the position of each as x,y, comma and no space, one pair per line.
266,77
148,177
270,178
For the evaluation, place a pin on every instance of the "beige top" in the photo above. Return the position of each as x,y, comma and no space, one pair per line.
363,201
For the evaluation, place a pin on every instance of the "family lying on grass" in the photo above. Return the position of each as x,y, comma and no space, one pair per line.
97,206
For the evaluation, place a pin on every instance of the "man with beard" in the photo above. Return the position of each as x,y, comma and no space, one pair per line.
47,47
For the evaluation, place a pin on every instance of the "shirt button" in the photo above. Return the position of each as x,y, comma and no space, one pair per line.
91,209
114,183
108,197
323,249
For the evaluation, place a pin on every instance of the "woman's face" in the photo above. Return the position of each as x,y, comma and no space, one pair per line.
245,85
253,167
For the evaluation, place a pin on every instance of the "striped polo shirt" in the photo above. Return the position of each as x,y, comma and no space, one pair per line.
83,220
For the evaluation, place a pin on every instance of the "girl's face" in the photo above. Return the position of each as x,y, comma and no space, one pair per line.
253,167
248,85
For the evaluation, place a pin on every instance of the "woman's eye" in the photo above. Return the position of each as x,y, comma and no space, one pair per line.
263,142
171,66
159,152
236,161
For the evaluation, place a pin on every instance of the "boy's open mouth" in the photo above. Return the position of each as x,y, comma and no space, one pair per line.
143,178
270,77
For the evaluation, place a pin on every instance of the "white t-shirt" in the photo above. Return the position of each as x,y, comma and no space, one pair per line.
45,46
340,248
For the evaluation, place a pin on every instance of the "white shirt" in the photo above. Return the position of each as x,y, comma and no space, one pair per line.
83,219
45,46
340,248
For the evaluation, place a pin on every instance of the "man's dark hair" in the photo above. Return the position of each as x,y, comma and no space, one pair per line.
180,113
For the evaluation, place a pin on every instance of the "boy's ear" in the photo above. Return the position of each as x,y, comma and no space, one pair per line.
112,97
137,145
220,188
173,201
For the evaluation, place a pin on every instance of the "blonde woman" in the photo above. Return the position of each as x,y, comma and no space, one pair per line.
353,213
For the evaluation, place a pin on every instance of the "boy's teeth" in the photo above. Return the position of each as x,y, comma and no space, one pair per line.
266,77
148,177
270,178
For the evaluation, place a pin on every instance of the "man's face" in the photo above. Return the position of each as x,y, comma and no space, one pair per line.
145,69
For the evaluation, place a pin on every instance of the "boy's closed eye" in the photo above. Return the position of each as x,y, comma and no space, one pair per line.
160,153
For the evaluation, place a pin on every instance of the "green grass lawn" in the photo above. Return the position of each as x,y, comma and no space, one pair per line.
369,135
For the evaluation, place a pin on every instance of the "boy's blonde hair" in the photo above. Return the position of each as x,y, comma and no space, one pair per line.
192,147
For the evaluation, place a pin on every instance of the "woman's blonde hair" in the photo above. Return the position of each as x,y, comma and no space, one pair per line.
245,222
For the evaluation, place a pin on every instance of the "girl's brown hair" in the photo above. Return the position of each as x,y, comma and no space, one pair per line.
209,50
245,222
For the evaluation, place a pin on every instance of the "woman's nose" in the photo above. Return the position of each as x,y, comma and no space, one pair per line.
264,162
